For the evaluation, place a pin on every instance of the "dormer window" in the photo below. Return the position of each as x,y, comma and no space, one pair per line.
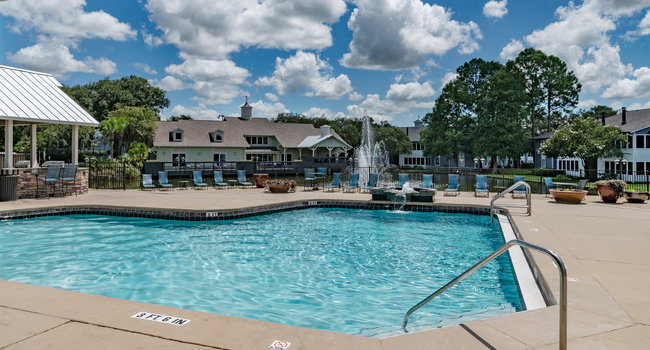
176,135
216,136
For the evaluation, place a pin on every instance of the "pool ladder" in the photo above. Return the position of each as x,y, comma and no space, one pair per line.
515,242
508,190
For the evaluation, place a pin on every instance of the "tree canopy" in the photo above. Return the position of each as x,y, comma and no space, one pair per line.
586,139
106,95
127,125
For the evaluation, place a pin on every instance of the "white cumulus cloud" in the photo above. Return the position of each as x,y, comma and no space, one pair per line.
496,9
399,34
145,67
199,112
400,98
511,50
638,87
58,26
263,109
169,83
304,71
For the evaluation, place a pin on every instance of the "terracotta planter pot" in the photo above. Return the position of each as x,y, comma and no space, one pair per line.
569,197
607,194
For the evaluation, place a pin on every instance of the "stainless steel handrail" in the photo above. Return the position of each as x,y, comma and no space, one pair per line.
508,190
563,284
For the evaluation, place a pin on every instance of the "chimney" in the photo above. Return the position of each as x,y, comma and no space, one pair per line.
602,117
623,116
325,130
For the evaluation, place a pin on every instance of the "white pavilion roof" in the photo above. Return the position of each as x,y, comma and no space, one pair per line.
37,98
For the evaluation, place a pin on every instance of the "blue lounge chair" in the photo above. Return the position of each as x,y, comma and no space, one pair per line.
241,178
197,178
52,177
336,182
218,179
521,190
481,186
354,182
403,178
69,177
310,178
427,181
163,180
452,185
373,178
548,181
321,172
147,182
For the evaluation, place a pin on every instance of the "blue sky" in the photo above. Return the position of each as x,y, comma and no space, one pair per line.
384,58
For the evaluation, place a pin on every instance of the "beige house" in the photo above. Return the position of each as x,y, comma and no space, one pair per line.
238,139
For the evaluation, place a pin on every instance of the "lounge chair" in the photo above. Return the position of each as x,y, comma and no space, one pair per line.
147,182
241,178
69,177
218,179
452,185
163,180
521,190
548,181
354,182
481,186
52,177
427,181
197,178
403,178
320,172
336,182
310,178
373,178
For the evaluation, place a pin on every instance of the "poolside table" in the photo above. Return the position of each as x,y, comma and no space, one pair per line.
183,184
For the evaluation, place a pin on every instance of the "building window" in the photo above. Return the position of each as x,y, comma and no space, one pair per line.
437,161
630,139
216,136
219,158
416,146
257,140
178,159
176,136
260,157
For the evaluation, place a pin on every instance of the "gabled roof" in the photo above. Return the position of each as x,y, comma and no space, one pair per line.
37,98
316,140
235,130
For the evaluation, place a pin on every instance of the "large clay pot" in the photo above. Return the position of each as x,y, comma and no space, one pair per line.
569,197
636,197
607,194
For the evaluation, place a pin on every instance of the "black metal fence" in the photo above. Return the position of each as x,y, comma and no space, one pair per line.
109,174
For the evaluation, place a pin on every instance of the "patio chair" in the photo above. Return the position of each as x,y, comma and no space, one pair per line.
163,180
427,181
403,178
310,178
354,182
581,184
336,182
69,177
147,182
481,186
452,185
373,178
521,190
320,172
241,178
218,179
52,177
197,178
548,181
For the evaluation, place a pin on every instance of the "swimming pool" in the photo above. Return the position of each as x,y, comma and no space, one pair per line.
346,270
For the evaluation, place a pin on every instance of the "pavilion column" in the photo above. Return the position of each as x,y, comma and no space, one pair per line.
75,144
9,144
34,147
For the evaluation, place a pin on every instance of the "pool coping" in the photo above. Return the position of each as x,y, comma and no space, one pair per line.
227,214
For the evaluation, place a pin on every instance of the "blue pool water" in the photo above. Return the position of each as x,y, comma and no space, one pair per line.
345,270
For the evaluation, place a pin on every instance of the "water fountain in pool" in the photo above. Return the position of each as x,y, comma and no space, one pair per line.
371,156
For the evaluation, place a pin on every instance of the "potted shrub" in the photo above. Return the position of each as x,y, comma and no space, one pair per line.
610,190
568,196
281,186
636,196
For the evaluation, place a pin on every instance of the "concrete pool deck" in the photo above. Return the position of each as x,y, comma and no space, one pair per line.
606,248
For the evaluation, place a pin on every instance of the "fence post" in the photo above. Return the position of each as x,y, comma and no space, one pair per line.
124,175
